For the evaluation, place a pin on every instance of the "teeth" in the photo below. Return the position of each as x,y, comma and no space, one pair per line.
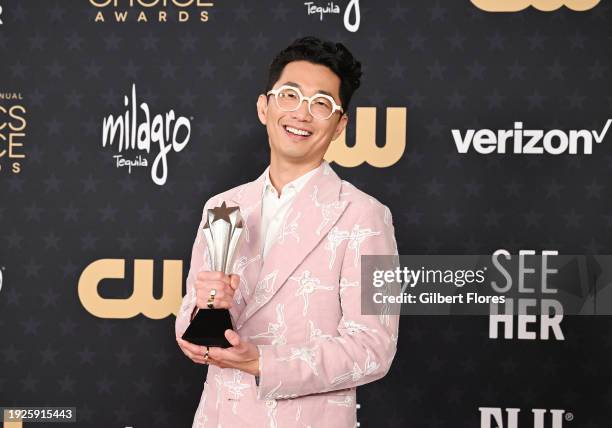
297,131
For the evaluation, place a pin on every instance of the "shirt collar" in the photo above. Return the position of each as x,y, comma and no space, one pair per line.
296,184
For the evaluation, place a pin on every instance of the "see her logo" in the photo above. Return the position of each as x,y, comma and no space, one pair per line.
543,5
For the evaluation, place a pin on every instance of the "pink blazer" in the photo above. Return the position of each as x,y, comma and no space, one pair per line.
302,307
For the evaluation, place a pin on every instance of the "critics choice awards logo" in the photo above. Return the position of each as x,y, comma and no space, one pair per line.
13,124
150,10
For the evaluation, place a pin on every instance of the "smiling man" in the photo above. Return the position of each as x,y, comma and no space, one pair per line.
300,344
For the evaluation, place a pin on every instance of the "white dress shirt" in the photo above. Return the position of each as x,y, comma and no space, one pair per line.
274,208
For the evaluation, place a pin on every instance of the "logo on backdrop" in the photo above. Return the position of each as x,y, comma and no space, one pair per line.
543,5
141,300
529,141
1,15
352,13
509,418
365,148
151,10
13,125
131,133
526,327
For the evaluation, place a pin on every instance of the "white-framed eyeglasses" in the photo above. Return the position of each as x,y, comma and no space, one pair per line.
289,98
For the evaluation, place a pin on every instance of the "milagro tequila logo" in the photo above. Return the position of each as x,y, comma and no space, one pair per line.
130,132
332,8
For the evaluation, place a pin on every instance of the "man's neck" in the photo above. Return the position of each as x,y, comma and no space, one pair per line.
282,173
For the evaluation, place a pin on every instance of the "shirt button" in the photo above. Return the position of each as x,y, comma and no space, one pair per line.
271,404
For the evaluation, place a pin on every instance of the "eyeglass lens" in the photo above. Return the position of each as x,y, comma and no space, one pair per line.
289,100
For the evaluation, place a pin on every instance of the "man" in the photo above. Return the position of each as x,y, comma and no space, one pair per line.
301,345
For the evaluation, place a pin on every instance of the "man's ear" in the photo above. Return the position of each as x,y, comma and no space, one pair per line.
340,126
262,108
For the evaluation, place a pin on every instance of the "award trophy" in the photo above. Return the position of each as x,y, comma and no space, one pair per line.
223,230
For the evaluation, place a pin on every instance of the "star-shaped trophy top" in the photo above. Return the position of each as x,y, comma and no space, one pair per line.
222,212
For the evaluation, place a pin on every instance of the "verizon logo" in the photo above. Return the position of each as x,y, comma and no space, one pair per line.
529,141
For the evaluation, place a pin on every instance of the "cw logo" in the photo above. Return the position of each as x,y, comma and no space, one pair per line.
543,5
365,148
490,414
142,300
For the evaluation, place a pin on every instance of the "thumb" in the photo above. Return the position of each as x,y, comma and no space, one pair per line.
232,337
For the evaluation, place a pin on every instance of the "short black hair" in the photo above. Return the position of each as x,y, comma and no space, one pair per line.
333,55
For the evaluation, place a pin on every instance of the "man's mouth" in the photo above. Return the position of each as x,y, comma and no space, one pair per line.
296,131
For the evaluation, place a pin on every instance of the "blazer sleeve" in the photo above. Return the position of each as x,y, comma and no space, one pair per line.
366,344
200,260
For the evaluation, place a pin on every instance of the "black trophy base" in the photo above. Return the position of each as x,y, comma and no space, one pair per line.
208,328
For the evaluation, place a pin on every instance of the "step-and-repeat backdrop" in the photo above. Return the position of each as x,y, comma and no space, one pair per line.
483,125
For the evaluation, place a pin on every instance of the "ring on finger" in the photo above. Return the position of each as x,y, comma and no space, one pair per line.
206,356
211,299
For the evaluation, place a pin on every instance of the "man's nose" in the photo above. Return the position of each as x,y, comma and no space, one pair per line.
302,112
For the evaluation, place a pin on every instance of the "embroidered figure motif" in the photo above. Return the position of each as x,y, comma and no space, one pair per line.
357,372
276,331
308,285
306,354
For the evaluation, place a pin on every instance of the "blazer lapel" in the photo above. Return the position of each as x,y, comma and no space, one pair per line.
247,262
315,209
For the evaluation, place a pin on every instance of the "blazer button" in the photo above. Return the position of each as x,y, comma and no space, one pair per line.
271,404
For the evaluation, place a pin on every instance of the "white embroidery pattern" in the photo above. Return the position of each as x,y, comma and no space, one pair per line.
245,213
272,393
201,419
316,333
306,354
290,229
344,284
353,327
240,266
346,401
265,286
357,373
328,210
263,290
356,237
308,285
235,386
272,417
276,331
219,383
334,239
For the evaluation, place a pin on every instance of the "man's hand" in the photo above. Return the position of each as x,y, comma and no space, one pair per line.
225,286
242,355
194,352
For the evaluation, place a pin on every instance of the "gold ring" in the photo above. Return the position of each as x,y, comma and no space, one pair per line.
211,299
206,356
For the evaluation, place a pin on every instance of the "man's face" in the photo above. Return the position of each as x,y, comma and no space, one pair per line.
310,79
